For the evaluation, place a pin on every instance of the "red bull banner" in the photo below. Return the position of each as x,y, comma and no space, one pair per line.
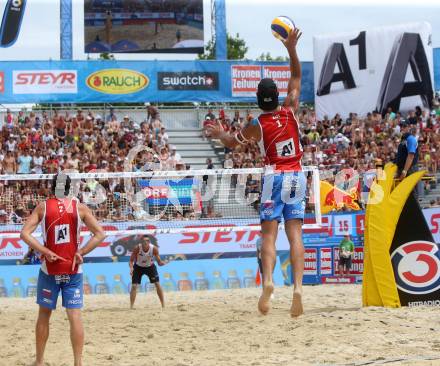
335,198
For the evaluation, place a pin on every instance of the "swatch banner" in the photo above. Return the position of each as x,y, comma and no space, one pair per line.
136,81
351,76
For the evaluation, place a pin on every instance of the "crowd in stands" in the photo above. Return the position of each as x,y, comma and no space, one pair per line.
83,141
359,143
38,143
337,143
31,143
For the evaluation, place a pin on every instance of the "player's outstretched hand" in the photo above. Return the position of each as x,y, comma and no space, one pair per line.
52,257
214,130
77,260
292,39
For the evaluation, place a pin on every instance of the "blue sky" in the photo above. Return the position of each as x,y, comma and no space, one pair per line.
252,18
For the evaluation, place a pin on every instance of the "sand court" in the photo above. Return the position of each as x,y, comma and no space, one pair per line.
224,328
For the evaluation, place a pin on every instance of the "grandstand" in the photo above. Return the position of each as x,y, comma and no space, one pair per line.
48,138
131,132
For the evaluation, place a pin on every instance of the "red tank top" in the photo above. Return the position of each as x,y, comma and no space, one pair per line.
61,225
280,142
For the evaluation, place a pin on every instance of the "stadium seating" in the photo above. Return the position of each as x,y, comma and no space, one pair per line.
43,142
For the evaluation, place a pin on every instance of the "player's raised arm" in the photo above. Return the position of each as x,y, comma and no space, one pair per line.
29,227
294,86
250,132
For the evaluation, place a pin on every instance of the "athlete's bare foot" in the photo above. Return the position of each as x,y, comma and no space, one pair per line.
264,302
297,306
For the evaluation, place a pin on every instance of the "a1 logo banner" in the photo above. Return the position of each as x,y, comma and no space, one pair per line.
351,76
415,258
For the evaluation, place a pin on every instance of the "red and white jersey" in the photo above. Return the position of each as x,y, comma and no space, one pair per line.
61,233
145,258
280,140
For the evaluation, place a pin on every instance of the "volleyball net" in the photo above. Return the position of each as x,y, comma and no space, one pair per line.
152,202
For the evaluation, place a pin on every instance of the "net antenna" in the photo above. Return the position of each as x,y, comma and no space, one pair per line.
156,202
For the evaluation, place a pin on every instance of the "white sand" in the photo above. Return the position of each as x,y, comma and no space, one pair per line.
224,328
144,35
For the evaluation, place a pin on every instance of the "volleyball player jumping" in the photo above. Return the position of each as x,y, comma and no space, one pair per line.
277,133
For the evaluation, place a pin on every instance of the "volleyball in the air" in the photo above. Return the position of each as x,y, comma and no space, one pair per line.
281,27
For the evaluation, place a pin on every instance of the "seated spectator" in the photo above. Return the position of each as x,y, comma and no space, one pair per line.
341,141
152,113
47,137
9,163
3,212
24,162
31,257
210,115
11,143
164,134
206,122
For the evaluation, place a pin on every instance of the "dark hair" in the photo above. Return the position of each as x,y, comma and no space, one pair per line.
267,95
61,185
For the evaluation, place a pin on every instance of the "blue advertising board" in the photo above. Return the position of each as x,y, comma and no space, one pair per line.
436,68
141,81
179,275
164,192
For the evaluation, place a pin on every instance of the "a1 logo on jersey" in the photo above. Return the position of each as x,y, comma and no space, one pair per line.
285,148
417,267
62,234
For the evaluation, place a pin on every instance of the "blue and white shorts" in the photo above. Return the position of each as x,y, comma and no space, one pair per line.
284,196
70,286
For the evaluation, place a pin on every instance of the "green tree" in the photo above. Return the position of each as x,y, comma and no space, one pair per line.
236,48
268,57
106,56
